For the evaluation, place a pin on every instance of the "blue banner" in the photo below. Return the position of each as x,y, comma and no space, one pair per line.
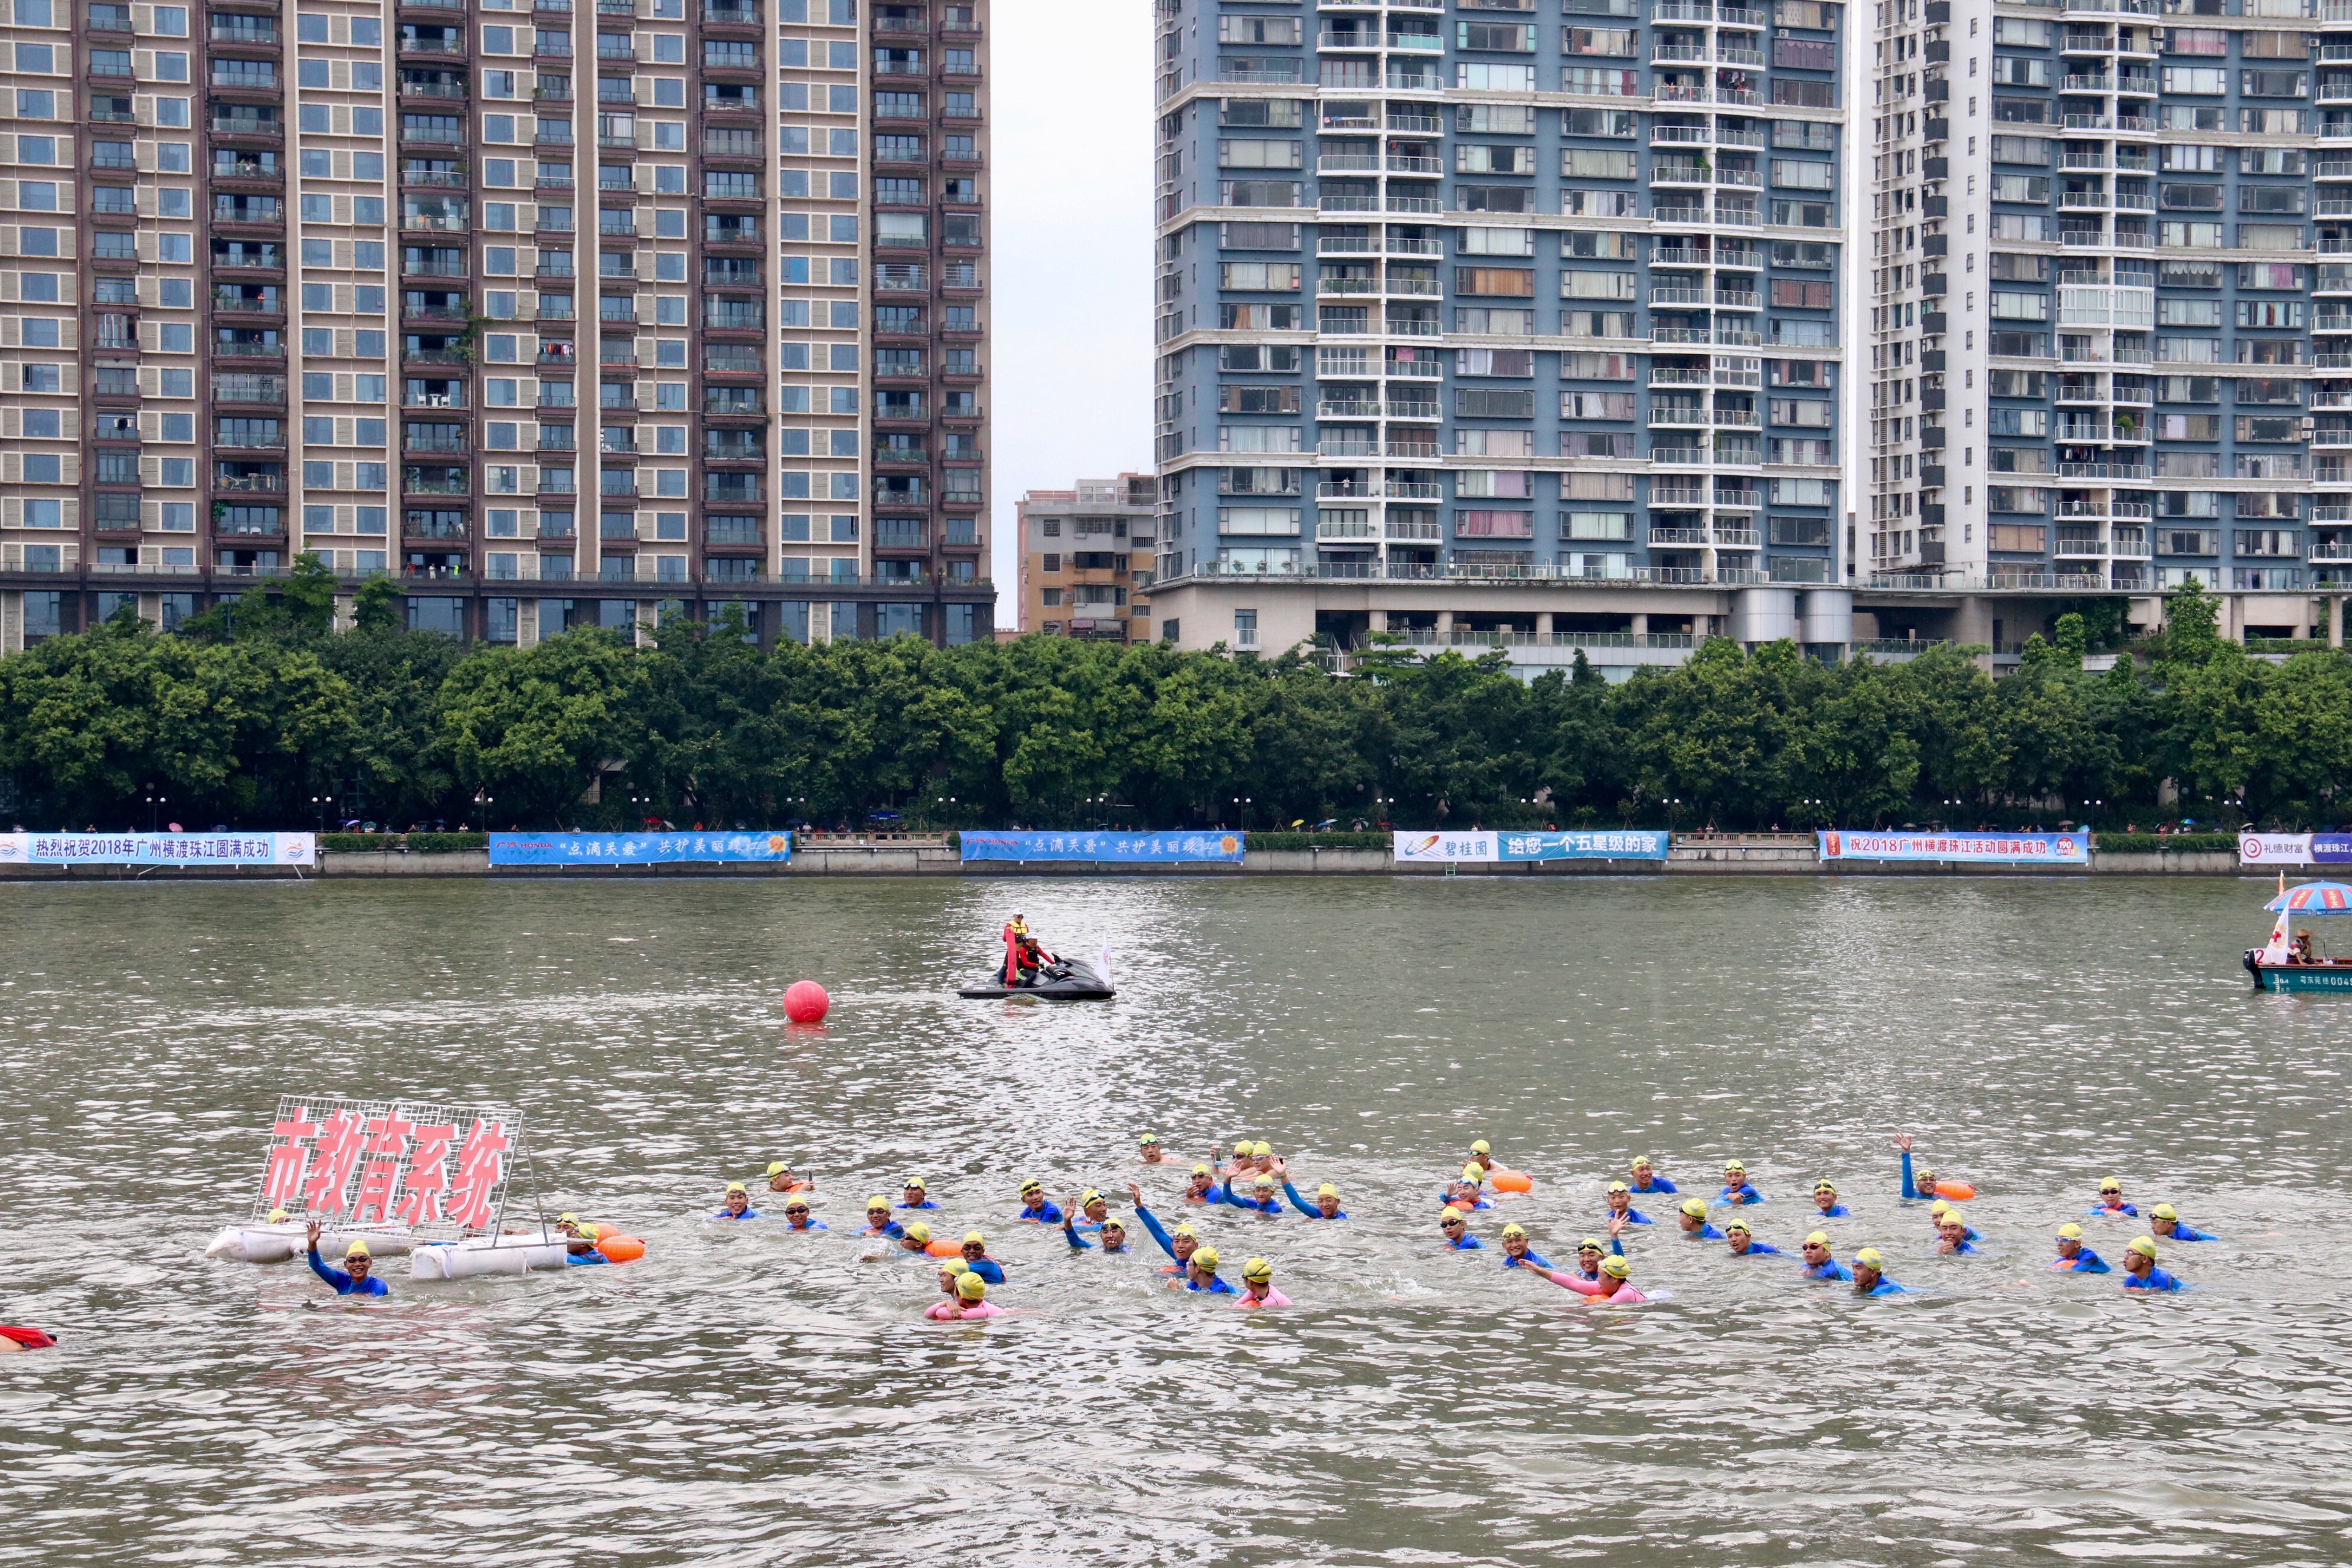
2061,851
1590,844
635,848
1160,848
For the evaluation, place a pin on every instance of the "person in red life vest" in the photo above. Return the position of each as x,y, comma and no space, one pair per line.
1022,956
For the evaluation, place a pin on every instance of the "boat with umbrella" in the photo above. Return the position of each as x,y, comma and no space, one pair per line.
2290,961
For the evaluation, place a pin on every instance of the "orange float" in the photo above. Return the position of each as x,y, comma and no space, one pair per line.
945,1247
621,1249
1959,1192
1511,1181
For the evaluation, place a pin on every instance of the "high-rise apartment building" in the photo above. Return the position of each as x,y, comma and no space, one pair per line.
565,311
1087,556
1614,323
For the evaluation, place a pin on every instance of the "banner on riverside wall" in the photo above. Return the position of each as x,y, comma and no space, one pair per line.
159,849
2059,851
440,1169
1587,844
2294,848
1160,849
636,848
1475,848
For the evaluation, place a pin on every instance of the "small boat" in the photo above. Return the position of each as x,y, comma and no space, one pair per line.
2288,962
1063,980
266,1243
510,1252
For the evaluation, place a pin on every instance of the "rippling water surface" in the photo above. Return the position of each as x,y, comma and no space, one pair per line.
746,1396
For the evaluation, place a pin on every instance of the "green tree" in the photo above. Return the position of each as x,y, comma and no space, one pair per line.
534,728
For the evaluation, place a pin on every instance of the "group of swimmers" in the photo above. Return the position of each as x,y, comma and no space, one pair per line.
1257,1180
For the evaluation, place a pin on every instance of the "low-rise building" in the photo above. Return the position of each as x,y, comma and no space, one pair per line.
1086,559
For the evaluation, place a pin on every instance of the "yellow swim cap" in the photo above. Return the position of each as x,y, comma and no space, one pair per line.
1868,1258
1482,1147
1031,1185
1824,1185
1152,1138
1615,1267
2111,1184
2164,1211
1263,1183
1694,1207
2070,1231
1203,1171
1327,1191
1116,1223
1242,1147
1952,1216
970,1287
1257,1268
1938,1207
777,1167
1474,1174
1641,1162
1619,1187
919,1231
2145,1245
1089,1196
1737,1225
559,1219
973,1239
917,1183
1454,1215
279,1216
1514,1230
359,1249
955,1266
1590,1243
1261,1147
1206,1257
737,1187
1180,1230
1817,1238
1734,1165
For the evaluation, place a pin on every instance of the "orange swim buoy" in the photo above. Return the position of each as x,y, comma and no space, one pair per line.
621,1249
945,1247
1959,1192
1511,1181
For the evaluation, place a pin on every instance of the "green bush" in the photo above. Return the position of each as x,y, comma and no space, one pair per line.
1316,841
357,843
2166,844
446,843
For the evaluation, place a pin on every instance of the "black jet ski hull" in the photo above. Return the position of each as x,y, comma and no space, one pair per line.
1080,984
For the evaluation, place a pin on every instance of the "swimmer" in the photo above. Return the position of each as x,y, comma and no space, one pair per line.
1923,1185
916,1238
2165,1220
1647,1180
2139,1264
581,1250
1178,1247
1205,1188
1241,1164
1113,1232
1092,1211
1744,1244
1870,1275
1203,1274
1456,1225
1589,1252
1516,1253
878,1222
738,1204
971,1297
1482,1154
918,1197
1936,1213
2110,1205
796,1215
1153,1154
1825,1196
353,1279
1326,1204
1257,1286
1615,1288
1261,1199
2073,1258
1952,1228
781,1180
1465,1191
951,1270
571,1225
976,1258
1736,1189
1261,1157
1037,1208
1693,1220
1621,1205
1821,1263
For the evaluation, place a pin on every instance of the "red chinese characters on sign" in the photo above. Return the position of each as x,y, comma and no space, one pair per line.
387,1144
289,1159
340,1142
426,1185
481,1167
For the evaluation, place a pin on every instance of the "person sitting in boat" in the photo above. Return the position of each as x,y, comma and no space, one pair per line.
2299,949
1025,963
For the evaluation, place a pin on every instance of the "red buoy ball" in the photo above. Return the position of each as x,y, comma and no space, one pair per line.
806,1002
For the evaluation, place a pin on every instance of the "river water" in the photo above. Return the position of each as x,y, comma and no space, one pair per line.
744,1396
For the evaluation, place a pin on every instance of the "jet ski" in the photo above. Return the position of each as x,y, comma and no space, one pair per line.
1063,980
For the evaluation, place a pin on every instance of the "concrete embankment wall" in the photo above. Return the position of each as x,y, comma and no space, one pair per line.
1724,858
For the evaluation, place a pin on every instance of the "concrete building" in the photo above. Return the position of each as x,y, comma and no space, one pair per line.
1087,556
1612,324
563,311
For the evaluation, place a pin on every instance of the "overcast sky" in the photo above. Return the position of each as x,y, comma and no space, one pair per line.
1070,356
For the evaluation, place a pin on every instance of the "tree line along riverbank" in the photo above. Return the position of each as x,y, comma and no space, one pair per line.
267,718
